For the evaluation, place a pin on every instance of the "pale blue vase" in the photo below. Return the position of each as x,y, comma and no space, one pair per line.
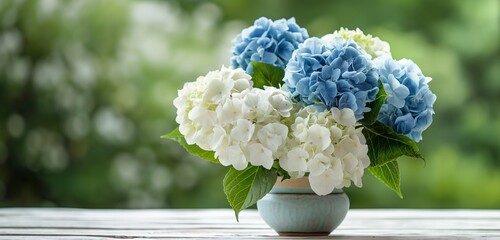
298,211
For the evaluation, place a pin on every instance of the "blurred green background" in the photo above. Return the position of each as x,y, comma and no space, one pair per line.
86,89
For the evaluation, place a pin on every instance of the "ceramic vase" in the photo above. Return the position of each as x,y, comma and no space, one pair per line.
293,209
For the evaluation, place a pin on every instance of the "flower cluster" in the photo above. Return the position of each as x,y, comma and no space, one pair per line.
330,74
221,112
307,124
372,45
267,41
197,101
409,107
328,147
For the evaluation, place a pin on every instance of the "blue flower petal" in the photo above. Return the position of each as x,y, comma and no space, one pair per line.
269,58
348,100
404,124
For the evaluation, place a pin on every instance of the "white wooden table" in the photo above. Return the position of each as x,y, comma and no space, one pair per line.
63,223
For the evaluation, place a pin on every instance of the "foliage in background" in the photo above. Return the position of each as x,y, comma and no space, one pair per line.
86,89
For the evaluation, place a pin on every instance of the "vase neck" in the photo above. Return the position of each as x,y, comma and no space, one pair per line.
298,190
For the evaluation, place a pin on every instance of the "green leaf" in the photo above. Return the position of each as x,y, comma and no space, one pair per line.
370,117
266,75
243,188
193,149
389,175
386,145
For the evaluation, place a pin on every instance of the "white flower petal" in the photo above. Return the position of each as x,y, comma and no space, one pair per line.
252,99
283,161
242,131
240,163
260,156
218,89
329,150
296,160
202,116
335,133
300,130
232,155
362,155
344,116
280,101
350,163
318,164
325,183
219,138
356,177
231,111
241,84
319,136
273,135
345,146
203,138
189,131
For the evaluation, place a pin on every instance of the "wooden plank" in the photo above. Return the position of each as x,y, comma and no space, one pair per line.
452,224
61,223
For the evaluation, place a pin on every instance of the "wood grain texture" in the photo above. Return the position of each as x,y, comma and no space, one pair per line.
64,223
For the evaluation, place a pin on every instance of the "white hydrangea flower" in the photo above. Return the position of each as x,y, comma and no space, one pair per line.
334,149
345,146
372,45
300,128
240,78
232,110
260,155
273,135
232,155
295,160
242,131
258,105
221,112
196,94
319,136
279,101
318,164
327,181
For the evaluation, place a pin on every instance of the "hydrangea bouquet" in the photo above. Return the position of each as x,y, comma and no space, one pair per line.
298,106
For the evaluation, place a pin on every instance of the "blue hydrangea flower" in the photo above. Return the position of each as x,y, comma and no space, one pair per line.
336,73
409,107
267,41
